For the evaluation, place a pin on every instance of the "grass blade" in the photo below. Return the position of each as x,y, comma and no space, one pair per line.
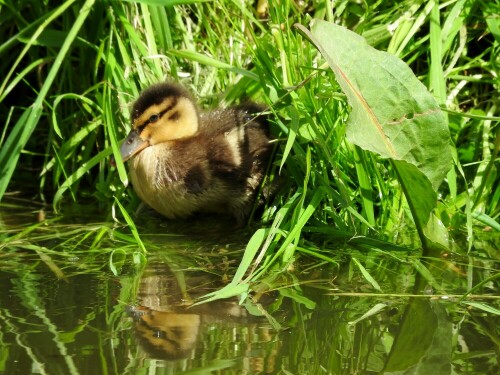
9,155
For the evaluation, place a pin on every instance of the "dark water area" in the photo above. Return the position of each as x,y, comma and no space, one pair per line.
78,297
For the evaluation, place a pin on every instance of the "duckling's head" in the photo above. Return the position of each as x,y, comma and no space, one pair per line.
163,112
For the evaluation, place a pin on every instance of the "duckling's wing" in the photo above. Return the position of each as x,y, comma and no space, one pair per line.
237,137
220,121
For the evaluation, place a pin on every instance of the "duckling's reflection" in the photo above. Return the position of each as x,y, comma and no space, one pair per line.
168,327
166,335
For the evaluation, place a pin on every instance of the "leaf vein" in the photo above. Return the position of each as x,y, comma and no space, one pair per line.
372,116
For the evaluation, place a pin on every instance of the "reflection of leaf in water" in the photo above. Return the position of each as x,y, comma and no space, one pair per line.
424,342
416,331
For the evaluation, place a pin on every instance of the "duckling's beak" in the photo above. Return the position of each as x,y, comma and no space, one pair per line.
132,145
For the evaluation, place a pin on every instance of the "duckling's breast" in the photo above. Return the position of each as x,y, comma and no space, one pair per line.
175,185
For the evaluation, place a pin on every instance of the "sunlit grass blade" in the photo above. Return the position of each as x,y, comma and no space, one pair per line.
22,75
437,82
57,12
111,127
487,220
235,287
296,295
426,274
41,251
366,274
210,61
479,285
373,311
116,261
166,2
11,150
132,226
414,23
484,307
365,185
292,134
75,177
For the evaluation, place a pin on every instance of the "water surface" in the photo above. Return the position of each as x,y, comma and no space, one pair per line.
77,297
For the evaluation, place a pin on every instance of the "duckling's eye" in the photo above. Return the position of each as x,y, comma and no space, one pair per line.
159,334
154,118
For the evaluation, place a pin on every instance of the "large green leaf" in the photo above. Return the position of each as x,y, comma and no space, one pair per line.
392,113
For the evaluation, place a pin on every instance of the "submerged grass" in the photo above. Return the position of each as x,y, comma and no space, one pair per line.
66,96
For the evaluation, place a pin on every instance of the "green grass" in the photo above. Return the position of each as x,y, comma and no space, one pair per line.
71,72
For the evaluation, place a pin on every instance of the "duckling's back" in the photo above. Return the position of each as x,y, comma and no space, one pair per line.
239,151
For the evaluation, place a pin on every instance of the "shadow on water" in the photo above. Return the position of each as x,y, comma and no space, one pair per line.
62,310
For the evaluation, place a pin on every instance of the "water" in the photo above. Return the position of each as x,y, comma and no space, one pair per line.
63,310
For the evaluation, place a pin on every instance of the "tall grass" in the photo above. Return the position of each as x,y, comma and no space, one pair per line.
71,71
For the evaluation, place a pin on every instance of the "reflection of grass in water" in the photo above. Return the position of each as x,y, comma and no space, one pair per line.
87,247
332,303
78,243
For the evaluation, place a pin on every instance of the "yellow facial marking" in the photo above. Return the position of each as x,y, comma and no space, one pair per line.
172,119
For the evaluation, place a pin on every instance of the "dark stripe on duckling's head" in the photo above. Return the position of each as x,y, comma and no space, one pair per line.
156,94
174,116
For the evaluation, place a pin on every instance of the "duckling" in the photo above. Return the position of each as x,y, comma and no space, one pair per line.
183,161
